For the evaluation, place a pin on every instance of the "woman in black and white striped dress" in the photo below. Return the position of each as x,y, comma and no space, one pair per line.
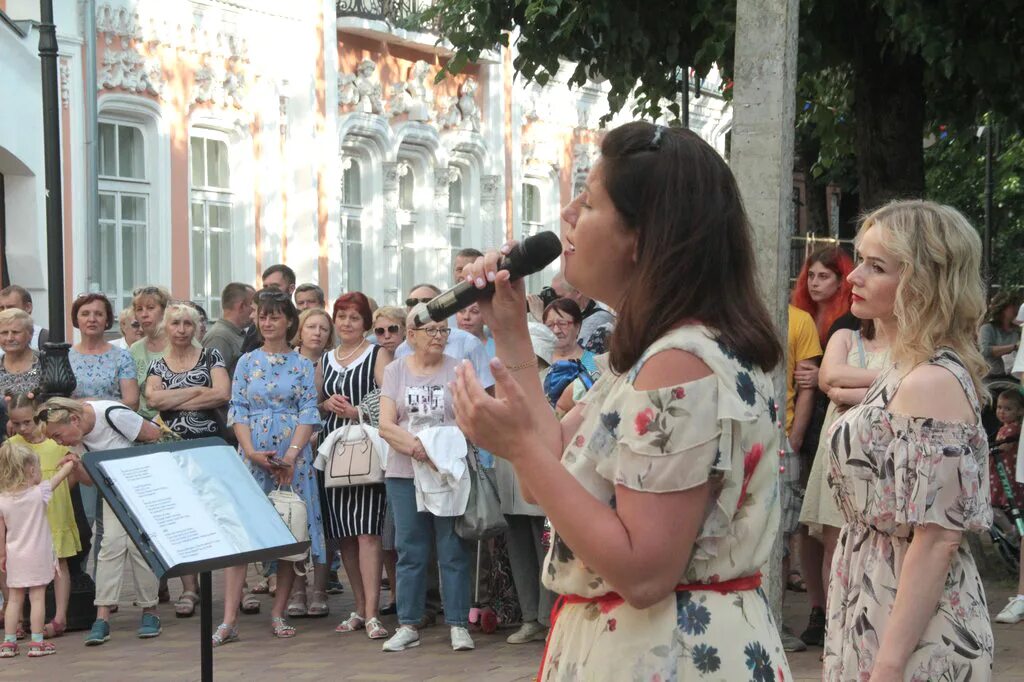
351,376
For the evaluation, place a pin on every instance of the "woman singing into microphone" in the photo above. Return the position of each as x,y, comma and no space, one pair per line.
661,484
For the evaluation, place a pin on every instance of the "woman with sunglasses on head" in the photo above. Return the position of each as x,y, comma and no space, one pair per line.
149,304
274,413
415,397
661,485
131,329
101,370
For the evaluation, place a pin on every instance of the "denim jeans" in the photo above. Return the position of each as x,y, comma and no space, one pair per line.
413,532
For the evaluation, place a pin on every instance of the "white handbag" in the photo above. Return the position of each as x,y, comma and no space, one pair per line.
354,459
293,512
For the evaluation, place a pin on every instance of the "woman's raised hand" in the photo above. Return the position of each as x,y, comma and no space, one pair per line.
499,425
506,310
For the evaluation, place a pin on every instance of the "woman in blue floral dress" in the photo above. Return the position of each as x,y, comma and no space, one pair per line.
661,484
274,413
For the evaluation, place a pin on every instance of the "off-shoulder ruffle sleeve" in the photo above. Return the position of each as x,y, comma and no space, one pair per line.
939,475
667,439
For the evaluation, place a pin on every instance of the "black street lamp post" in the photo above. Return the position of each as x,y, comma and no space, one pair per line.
57,376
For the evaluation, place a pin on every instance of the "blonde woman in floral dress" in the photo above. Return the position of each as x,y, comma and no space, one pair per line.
661,484
909,465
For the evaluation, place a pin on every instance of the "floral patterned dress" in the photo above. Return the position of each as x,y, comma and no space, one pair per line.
723,429
273,393
890,473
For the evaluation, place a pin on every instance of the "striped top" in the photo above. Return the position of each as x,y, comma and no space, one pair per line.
353,382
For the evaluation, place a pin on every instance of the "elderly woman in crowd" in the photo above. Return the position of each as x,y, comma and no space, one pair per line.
273,412
349,378
187,385
19,366
572,369
131,330
101,370
149,304
415,396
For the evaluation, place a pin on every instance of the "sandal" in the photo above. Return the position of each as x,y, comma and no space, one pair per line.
262,587
297,605
795,582
351,624
8,650
375,630
186,604
37,649
281,629
54,628
318,605
21,633
225,634
250,604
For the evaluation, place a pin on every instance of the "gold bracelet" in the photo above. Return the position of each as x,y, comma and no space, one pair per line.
532,362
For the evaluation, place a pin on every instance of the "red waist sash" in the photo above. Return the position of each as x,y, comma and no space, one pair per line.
613,599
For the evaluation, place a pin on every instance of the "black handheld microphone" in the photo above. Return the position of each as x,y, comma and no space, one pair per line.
527,257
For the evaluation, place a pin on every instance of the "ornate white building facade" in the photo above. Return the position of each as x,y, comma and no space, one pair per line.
234,134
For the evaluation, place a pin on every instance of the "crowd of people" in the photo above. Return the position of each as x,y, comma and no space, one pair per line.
643,463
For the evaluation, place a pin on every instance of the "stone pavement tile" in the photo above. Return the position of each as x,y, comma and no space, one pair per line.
321,655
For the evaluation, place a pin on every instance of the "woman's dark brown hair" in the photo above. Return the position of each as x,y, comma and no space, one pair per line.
86,299
271,301
695,260
567,307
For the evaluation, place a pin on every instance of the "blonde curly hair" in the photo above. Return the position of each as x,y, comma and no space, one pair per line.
940,299
16,464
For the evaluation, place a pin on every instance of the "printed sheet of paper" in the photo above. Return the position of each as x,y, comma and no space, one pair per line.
160,494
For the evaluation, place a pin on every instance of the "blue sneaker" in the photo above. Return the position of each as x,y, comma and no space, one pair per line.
150,626
99,633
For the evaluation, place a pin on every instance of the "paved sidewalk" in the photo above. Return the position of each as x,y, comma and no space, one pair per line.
317,653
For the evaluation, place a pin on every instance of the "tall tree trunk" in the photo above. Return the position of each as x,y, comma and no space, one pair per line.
889,110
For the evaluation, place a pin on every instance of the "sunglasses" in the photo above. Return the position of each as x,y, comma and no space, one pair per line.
411,302
272,295
135,324
146,290
390,329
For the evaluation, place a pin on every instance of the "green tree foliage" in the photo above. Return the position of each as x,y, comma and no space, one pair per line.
956,176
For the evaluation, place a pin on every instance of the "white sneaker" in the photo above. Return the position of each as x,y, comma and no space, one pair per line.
406,637
528,632
461,641
1013,612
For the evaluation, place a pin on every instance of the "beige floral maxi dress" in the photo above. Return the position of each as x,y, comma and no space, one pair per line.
723,429
890,473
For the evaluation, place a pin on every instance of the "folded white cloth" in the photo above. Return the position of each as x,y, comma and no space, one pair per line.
442,489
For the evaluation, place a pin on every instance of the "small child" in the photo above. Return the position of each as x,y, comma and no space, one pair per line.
27,555
60,513
1010,411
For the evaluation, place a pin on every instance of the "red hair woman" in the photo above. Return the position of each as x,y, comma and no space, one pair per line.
822,289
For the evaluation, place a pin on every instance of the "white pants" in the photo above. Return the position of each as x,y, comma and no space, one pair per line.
116,551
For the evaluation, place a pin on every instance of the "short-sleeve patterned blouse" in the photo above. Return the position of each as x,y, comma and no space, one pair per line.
190,423
23,382
723,430
100,375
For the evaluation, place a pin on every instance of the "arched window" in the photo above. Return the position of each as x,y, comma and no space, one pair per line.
211,220
533,222
119,246
352,225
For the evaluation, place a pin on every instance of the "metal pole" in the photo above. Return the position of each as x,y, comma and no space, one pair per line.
51,152
92,156
986,245
206,626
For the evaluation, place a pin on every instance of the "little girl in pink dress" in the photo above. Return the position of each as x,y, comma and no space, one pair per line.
26,543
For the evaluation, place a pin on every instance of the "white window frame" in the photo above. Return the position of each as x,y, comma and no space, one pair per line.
146,114
353,212
120,187
457,218
207,293
411,219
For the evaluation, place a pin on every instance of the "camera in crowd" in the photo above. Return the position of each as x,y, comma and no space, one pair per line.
547,296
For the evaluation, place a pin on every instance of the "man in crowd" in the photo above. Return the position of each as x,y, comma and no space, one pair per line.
18,297
462,259
310,296
227,334
597,322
